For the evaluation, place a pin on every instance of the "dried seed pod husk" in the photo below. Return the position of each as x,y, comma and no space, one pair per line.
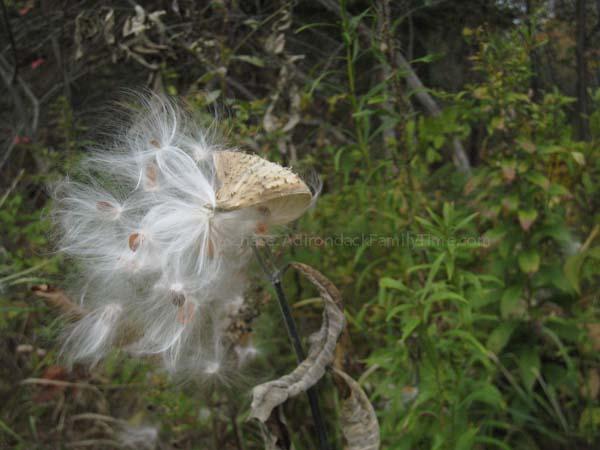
58,298
249,181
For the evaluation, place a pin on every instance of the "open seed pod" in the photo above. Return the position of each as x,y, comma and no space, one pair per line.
249,181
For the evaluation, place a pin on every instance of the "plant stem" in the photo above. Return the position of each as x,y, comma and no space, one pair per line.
290,324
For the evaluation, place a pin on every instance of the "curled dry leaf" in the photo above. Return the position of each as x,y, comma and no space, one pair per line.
358,419
58,298
275,433
49,391
267,396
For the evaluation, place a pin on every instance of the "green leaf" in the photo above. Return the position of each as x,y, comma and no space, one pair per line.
390,283
484,355
590,419
498,338
529,261
447,295
447,212
211,96
409,326
510,203
486,393
254,60
450,267
527,217
397,310
466,439
529,365
464,222
435,267
496,234
512,304
539,180
572,270
579,158
558,190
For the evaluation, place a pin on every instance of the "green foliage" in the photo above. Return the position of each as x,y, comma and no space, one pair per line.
477,331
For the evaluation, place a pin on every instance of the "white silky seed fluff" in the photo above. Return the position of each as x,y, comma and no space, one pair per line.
161,264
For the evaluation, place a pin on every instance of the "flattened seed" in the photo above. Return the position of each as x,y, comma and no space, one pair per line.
177,298
135,239
105,206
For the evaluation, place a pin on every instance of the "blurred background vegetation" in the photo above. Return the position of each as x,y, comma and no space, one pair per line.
457,142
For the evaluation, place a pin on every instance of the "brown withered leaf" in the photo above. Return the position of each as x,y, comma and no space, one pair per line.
593,330
267,396
49,391
358,419
591,385
58,298
275,433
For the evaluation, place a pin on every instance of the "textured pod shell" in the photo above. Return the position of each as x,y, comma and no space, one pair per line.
250,181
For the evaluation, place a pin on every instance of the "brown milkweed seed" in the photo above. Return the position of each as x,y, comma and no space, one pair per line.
135,239
151,177
105,206
177,298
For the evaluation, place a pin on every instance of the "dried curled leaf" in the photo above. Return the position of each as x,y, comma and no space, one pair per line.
59,299
275,433
267,396
358,419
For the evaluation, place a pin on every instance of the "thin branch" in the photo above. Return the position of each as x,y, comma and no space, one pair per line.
35,104
11,40
427,101
12,187
61,66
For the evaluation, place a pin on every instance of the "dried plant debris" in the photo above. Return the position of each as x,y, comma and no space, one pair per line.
269,395
275,433
58,298
250,181
358,418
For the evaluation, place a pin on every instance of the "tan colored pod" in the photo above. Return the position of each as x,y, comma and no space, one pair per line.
250,181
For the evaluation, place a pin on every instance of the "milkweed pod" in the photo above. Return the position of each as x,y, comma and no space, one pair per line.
249,181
